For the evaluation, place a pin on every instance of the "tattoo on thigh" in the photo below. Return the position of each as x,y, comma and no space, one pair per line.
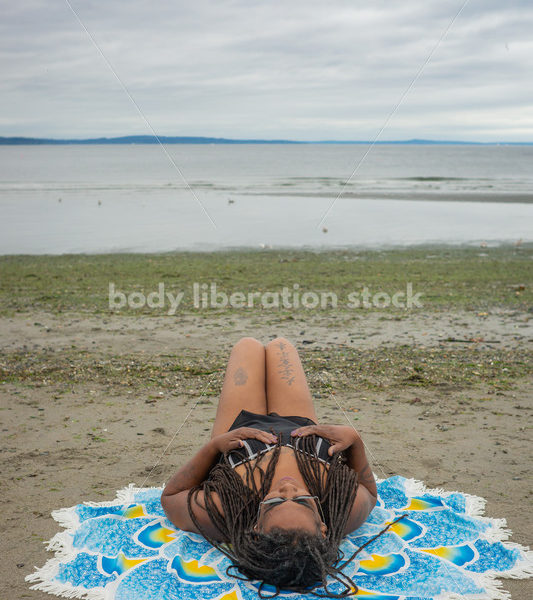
240,377
286,369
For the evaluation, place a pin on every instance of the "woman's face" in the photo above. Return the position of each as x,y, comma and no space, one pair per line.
289,514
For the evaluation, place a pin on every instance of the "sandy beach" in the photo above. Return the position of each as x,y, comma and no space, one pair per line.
91,397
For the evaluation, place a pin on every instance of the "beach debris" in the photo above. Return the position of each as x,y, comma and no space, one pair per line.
159,430
99,203
267,247
518,243
231,201
59,200
517,288
483,244
473,340
324,229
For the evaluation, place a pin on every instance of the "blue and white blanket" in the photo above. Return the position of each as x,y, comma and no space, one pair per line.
127,550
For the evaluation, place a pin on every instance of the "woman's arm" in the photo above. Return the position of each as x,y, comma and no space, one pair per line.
358,461
197,469
367,492
195,472
174,496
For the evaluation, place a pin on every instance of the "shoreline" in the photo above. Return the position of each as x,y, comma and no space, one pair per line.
481,245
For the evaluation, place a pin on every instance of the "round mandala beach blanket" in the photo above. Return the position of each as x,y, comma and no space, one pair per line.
127,550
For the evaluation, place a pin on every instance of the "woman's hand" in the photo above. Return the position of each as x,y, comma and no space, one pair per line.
339,436
233,439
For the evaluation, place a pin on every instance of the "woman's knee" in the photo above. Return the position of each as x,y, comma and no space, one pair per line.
249,343
279,342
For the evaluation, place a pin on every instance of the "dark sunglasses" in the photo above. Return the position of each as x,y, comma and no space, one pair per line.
303,500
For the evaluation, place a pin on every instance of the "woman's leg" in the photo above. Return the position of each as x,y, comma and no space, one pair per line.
244,384
286,386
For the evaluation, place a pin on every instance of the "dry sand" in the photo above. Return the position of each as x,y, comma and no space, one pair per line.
64,443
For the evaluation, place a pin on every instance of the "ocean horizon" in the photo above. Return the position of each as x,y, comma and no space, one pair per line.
156,139
130,198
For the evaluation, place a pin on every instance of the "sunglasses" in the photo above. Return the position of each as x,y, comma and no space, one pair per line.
303,500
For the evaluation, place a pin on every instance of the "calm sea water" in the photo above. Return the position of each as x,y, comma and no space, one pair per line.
59,199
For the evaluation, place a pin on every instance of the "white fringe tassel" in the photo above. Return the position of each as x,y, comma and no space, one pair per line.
45,575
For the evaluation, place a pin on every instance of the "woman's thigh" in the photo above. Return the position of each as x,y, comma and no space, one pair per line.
287,389
244,384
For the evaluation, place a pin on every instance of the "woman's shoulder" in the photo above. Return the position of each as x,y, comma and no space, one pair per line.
176,508
203,513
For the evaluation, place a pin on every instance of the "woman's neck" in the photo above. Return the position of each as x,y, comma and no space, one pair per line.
287,467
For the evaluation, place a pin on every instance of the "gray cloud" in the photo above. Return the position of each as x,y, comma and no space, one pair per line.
301,70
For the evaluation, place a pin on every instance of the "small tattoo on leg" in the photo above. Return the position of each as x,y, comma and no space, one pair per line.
240,376
286,369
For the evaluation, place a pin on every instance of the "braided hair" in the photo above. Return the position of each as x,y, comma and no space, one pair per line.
289,560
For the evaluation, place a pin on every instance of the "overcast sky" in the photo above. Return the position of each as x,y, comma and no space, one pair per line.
310,70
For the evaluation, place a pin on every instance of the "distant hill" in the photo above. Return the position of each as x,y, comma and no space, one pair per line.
150,139
138,139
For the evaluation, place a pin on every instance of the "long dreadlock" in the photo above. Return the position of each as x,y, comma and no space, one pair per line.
286,559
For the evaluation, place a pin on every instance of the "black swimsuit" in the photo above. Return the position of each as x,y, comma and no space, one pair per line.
273,423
